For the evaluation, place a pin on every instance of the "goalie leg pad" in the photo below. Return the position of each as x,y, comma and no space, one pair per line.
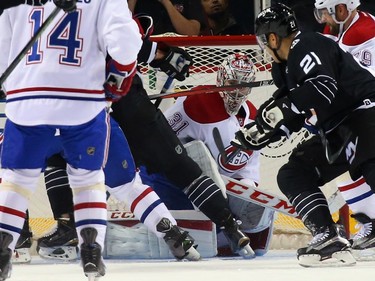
129,239
199,152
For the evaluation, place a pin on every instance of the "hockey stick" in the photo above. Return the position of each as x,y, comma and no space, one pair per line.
219,144
166,87
27,47
213,89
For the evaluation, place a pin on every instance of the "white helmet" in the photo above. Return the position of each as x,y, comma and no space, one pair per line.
235,69
321,5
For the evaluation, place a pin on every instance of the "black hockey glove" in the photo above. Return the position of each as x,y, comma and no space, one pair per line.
66,5
175,64
35,2
253,137
274,113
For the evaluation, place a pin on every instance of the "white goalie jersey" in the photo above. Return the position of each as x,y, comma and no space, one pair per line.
195,117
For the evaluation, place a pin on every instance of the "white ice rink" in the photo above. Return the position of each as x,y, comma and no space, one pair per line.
275,266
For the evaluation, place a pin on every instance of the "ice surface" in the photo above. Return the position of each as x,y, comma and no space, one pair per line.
275,266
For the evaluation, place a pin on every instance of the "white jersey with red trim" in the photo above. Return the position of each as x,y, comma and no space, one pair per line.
359,39
60,80
195,117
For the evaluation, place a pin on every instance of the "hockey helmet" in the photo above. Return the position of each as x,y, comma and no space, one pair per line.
235,69
323,7
278,19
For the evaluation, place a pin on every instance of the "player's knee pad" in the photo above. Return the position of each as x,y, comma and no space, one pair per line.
82,179
122,192
22,181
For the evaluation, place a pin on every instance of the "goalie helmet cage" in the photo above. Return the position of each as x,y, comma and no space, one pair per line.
208,52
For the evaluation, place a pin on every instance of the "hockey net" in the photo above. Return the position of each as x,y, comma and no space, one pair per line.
207,54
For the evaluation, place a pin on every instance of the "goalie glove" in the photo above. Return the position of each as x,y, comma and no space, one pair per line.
66,5
175,64
253,137
119,79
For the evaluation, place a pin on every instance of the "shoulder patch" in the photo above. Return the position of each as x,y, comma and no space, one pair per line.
361,31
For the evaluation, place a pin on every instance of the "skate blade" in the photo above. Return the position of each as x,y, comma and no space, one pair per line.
66,253
246,252
21,255
364,255
338,259
193,255
93,276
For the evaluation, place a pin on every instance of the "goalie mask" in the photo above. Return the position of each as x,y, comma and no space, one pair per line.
235,69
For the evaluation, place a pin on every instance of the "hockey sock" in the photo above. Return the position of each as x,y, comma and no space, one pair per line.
58,191
312,207
359,196
144,203
209,199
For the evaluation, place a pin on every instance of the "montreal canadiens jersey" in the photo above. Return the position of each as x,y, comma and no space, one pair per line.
325,79
195,117
60,80
359,39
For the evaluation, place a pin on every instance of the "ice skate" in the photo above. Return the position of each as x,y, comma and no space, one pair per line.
5,255
329,247
180,243
238,241
21,254
91,255
363,246
61,243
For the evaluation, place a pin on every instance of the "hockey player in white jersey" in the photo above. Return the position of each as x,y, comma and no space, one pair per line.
195,118
58,87
354,31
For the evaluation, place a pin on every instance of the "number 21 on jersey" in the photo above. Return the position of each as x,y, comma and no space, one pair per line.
309,61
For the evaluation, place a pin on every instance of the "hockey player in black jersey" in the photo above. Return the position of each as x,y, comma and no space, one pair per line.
324,87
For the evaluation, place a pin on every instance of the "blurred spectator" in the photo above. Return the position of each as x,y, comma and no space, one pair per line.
367,6
219,19
179,16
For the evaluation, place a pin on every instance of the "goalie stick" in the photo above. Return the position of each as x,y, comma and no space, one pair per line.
213,89
267,199
27,47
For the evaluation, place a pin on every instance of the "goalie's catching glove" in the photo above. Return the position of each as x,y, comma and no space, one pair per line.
175,64
119,79
66,5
